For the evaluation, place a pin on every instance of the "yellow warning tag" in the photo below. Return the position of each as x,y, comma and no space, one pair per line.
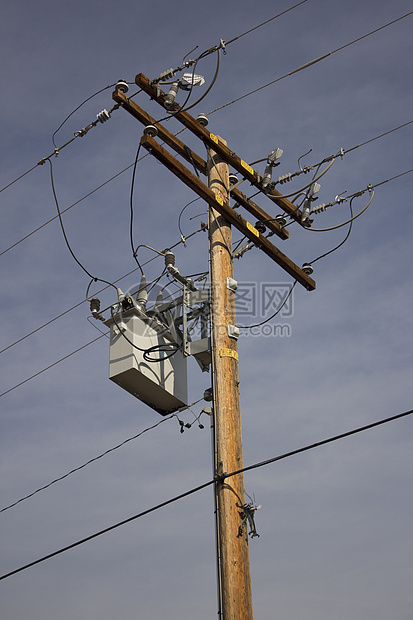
228,353
247,167
219,199
213,138
252,229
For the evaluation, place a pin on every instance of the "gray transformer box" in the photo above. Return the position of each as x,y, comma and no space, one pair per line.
161,384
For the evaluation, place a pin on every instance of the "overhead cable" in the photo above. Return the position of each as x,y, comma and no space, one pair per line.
96,458
305,66
69,354
78,108
341,242
146,155
386,133
287,297
311,63
264,23
183,240
69,207
100,456
218,478
51,365
64,232
101,117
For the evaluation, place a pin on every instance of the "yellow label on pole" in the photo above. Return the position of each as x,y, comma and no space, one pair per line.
228,353
252,229
247,167
219,199
213,138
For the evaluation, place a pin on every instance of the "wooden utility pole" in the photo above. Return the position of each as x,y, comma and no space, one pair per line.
233,554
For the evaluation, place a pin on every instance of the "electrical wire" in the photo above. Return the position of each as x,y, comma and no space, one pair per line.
131,209
78,108
51,365
298,191
103,454
66,312
181,213
96,458
347,221
78,134
69,207
162,347
393,178
342,242
386,133
221,477
146,155
210,85
264,23
65,236
275,313
311,63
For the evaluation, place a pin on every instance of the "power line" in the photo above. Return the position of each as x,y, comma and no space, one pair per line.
183,240
353,148
51,365
222,477
311,63
275,313
97,293
320,443
114,84
67,208
392,178
100,456
80,348
78,108
96,458
264,23
101,117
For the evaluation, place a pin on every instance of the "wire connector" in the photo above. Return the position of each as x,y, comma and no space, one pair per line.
248,519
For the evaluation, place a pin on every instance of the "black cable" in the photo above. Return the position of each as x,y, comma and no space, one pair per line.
180,215
218,478
264,23
275,313
69,207
311,63
96,458
161,348
18,178
214,79
84,300
61,223
343,241
131,209
353,148
51,366
345,151
65,236
78,107
318,444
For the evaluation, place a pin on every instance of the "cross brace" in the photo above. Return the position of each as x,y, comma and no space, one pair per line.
197,161
224,209
212,141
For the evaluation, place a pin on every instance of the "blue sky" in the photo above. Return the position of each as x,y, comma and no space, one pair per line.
335,524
